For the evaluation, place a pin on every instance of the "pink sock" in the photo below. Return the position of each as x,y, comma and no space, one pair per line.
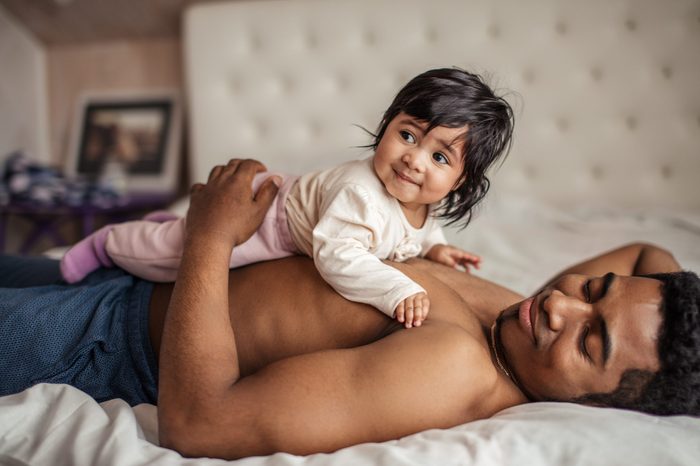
86,256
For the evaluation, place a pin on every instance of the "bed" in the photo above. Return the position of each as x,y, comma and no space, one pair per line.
605,152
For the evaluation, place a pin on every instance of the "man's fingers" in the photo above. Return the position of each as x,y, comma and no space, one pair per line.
268,190
216,171
195,188
247,167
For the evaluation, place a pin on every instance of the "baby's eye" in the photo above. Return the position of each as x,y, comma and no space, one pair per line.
440,158
408,137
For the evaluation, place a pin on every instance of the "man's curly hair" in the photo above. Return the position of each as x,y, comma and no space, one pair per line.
675,387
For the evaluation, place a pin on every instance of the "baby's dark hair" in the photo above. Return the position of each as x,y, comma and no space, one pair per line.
675,387
454,98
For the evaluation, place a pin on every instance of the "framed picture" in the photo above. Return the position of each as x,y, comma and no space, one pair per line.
140,132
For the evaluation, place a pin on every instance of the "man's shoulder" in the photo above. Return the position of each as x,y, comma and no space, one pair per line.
453,365
452,345
459,342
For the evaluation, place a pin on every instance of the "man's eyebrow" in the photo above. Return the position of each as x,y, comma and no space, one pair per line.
608,278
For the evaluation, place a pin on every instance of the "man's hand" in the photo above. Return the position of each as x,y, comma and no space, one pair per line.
225,209
453,257
198,357
413,310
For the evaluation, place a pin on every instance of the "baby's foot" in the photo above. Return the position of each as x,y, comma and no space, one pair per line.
86,256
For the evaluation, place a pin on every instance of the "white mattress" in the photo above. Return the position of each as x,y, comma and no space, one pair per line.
522,245
58,425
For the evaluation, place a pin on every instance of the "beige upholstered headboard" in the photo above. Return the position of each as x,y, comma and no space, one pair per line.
606,92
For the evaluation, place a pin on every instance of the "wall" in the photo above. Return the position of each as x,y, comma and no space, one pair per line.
107,66
40,86
23,93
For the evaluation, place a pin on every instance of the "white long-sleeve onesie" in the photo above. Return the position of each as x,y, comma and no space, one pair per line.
346,220
343,217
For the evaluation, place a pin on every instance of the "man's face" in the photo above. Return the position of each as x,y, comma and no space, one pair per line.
580,334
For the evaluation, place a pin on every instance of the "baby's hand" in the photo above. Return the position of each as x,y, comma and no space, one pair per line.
453,257
413,310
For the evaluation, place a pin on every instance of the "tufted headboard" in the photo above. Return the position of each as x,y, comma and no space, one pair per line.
606,92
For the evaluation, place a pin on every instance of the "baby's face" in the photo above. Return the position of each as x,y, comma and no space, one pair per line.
419,168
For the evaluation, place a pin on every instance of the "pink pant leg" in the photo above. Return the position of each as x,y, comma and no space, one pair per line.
153,250
149,250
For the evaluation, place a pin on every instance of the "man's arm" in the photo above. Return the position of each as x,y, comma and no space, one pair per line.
404,383
631,259
198,358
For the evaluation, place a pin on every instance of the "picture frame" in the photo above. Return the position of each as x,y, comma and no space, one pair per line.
140,131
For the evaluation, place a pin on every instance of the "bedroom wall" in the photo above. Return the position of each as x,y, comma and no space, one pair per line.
23,103
40,83
42,77
23,92
119,65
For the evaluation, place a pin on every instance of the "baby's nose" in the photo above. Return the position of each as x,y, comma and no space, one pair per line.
414,160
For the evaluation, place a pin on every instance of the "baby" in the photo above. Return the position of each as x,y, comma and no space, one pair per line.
435,142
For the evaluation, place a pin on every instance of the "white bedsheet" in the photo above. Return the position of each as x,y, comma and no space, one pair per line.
59,425
522,246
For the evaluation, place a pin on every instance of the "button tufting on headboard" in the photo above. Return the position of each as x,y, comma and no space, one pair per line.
605,92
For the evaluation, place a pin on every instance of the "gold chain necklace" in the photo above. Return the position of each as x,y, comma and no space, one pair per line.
495,351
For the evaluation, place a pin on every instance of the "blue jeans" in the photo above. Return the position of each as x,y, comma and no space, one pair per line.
92,335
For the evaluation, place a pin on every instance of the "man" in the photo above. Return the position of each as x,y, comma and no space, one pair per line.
268,358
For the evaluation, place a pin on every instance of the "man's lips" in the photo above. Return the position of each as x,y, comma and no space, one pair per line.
526,318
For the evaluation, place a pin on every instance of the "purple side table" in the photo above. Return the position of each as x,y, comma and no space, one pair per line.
46,220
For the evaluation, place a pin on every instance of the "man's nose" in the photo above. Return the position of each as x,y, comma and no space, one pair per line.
414,159
561,309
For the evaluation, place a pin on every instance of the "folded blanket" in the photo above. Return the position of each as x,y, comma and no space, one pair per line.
23,180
